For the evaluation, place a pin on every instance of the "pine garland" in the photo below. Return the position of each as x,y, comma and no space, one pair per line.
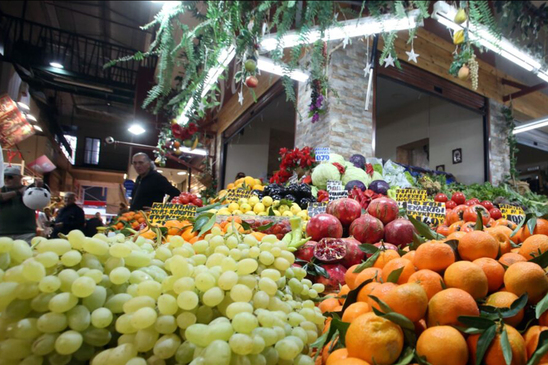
512,142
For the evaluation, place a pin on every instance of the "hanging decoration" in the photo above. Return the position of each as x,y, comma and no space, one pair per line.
300,161
411,55
389,61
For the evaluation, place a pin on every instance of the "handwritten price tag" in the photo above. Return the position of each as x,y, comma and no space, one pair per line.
321,154
316,208
512,213
336,190
429,212
233,195
410,195
162,213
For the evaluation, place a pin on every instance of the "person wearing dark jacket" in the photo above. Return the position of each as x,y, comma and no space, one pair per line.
150,186
92,224
70,217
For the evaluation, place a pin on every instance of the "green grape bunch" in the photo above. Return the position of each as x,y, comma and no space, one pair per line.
224,300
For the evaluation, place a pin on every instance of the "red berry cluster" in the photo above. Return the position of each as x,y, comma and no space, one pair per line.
184,133
187,199
323,196
292,160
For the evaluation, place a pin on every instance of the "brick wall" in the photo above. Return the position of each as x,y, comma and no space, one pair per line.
499,152
345,127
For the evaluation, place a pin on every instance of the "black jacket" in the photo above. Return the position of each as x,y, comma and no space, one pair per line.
72,217
151,189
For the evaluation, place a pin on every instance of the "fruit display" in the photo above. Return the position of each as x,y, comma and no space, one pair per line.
265,206
226,299
188,199
470,298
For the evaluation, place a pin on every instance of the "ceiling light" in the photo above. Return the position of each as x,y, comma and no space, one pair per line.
56,65
181,173
267,65
23,106
160,171
125,176
136,129
538,123
445,13
196,151
31,117
346,29
38,128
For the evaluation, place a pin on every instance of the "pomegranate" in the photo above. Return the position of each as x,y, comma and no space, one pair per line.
306,252
324,225
367,229
353,255
345,210
330,250
336,276
384,209
399,232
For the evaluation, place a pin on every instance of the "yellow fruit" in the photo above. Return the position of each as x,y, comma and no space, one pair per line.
242,201
245,207
250,213
267,201
239,182
464,72
259,208
458,37
249,181
460,17
303,214
277,213
224,211
233,206
258,187
283,208
295,209
230,186
253,200
287,214
262,214
258,182
237,212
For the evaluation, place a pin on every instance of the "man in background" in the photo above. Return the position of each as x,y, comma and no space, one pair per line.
16,219
70,217
150,186
92,224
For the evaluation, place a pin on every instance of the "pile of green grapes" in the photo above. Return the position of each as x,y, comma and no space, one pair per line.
226,300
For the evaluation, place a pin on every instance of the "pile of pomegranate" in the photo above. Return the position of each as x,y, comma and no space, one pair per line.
337,234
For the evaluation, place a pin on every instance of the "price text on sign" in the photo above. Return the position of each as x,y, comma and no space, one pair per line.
234,194
333,185
512,213
408,195
429,212
321,153
162,213
316,208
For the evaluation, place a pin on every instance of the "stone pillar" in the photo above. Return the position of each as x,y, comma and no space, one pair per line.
346,127
499,152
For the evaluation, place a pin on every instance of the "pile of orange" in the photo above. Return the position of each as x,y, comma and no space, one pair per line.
438,284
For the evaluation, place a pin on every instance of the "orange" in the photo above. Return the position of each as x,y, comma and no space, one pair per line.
540,228
445,307
493,355
369,273
385,257
434,256
351,361
443,345
518,237
455,236
409,300
363,295
511,258
430,281
337,355
501,222
380,291
329,304
410,256
355,310
408,270
504,299
342,293
531,341
533,246
501,237
374,339
494,272
478,244
504,229
543,320
526,277
350,276
468,277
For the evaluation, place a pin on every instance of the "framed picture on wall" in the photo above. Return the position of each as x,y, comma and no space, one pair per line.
457,156
440,168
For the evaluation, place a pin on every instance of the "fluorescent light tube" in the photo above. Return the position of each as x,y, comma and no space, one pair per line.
196,151
538,123
349,28
38,128
267,65
23,106
30,117
181,173
136,129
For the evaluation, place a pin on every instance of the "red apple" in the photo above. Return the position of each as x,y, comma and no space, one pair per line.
251,82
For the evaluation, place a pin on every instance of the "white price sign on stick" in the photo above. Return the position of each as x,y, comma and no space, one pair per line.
321,154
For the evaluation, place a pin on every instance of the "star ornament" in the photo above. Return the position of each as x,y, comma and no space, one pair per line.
367,69
241,97
346,40
412,55
389,61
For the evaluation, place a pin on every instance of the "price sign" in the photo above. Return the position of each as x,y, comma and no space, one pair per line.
294,179
316,208
512,213
162,213
410,195
233,195
336,190
321,154
428,211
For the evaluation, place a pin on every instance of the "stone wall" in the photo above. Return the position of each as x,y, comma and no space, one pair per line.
346,127
499,152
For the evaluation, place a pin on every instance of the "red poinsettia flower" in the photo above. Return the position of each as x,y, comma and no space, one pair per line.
177,130
192,128
339,167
